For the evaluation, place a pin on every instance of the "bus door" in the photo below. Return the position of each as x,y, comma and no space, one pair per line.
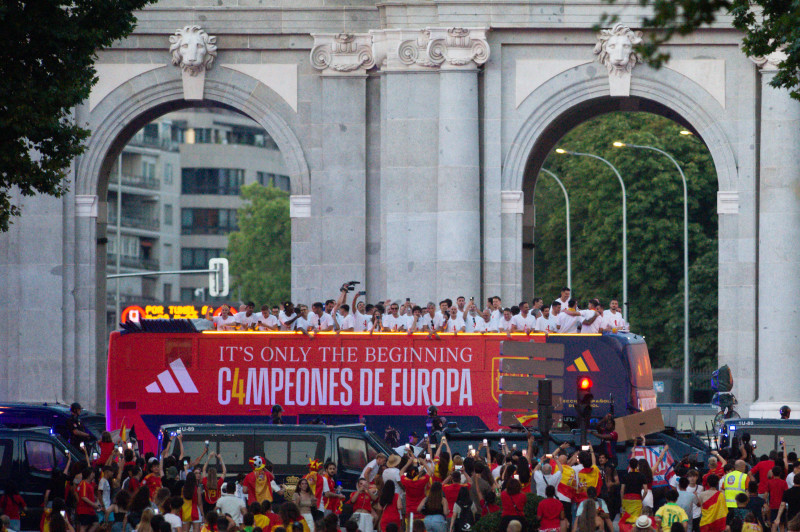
290,455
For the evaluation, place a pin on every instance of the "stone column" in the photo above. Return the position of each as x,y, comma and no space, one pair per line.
458,181
338,188
779,251
408,157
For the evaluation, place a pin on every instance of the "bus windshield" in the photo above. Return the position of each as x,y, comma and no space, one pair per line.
639,361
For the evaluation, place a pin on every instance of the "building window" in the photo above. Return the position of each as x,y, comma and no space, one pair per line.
267,179
167,214
150,133
197,258
208,221
219,181
166,259
167,292
167,174
148,170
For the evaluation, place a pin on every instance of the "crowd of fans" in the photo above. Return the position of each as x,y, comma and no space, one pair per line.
561,316
424,488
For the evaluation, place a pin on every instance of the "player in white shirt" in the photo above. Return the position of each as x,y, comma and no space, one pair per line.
569,318
427,322
524,321
392,321
504,325
591,318
248,318
225,321
318,319
346,321
266,321
491,324
361,317
543,324
496,308
612,318
300,321
416,321
286,316
474,321
564,299
456,323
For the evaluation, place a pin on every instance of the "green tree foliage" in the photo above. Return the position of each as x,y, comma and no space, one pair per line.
768,25
49,48
260,251
655,229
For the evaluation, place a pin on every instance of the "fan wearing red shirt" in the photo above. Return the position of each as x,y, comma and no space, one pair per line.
106,449
716,467
87,503
362,498
451,488
775,488
414,485
513,502
212,484
760,472
153,478
550,511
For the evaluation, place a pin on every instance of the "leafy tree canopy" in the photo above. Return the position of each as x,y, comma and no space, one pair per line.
260,251
655,230
768,26
49,47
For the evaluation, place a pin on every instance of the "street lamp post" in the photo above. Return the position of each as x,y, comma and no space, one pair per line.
569,234
685,261
624,226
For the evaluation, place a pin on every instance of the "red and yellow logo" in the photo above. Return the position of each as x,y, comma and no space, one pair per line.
585,362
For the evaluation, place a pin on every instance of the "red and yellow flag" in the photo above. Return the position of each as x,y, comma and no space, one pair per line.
587,477
715,511
566,485
527,419
631,508
123,432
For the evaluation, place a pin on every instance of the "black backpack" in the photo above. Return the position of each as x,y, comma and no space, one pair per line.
465,520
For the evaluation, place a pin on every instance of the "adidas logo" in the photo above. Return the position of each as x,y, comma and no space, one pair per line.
585,362
165,378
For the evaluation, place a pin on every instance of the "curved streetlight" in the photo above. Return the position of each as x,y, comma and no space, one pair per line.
569,234
624,226
685,260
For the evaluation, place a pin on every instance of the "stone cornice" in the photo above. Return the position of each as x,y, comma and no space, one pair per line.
342,54
771,62
430,48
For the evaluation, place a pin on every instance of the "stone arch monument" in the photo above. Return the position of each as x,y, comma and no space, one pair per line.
413,132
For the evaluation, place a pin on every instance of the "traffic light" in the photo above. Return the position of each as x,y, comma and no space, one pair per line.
584,404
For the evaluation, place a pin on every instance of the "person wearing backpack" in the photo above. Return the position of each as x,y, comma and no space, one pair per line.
464,511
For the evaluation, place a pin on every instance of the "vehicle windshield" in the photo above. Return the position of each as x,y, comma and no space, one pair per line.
639,361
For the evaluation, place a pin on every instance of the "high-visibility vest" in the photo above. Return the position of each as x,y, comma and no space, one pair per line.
734,483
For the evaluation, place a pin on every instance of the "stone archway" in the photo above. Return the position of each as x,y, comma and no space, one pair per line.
113,122
560,104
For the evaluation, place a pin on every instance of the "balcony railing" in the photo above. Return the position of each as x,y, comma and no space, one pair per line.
137,222
153,142
139,181
131,262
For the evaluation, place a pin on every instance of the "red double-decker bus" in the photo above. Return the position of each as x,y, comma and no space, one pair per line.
383,378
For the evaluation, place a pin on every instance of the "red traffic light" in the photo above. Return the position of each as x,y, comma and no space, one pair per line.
585,383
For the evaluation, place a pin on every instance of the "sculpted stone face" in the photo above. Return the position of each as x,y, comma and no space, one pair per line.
619,48
192,49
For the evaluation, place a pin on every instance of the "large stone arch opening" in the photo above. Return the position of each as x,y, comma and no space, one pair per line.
582,93
113,122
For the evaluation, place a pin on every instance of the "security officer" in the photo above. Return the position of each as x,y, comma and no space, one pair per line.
785,412
76,430
735,482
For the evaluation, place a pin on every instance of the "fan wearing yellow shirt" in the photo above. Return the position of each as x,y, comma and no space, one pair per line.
671,513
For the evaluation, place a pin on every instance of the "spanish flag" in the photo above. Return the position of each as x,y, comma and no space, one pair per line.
527,419
587,477
123,432
715,511
566,485
631,508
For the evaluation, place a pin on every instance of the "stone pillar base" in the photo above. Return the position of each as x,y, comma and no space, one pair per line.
770,410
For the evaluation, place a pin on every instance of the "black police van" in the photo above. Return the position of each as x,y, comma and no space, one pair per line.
28,457
288,447
53,415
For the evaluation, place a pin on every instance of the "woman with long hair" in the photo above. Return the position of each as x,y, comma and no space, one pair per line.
190,512
290,515
56,518
513,503
524,472
434,507
139,503
391,506
144,522
588,521
463,511
212,483
306,501
442,470
644,469
120,511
